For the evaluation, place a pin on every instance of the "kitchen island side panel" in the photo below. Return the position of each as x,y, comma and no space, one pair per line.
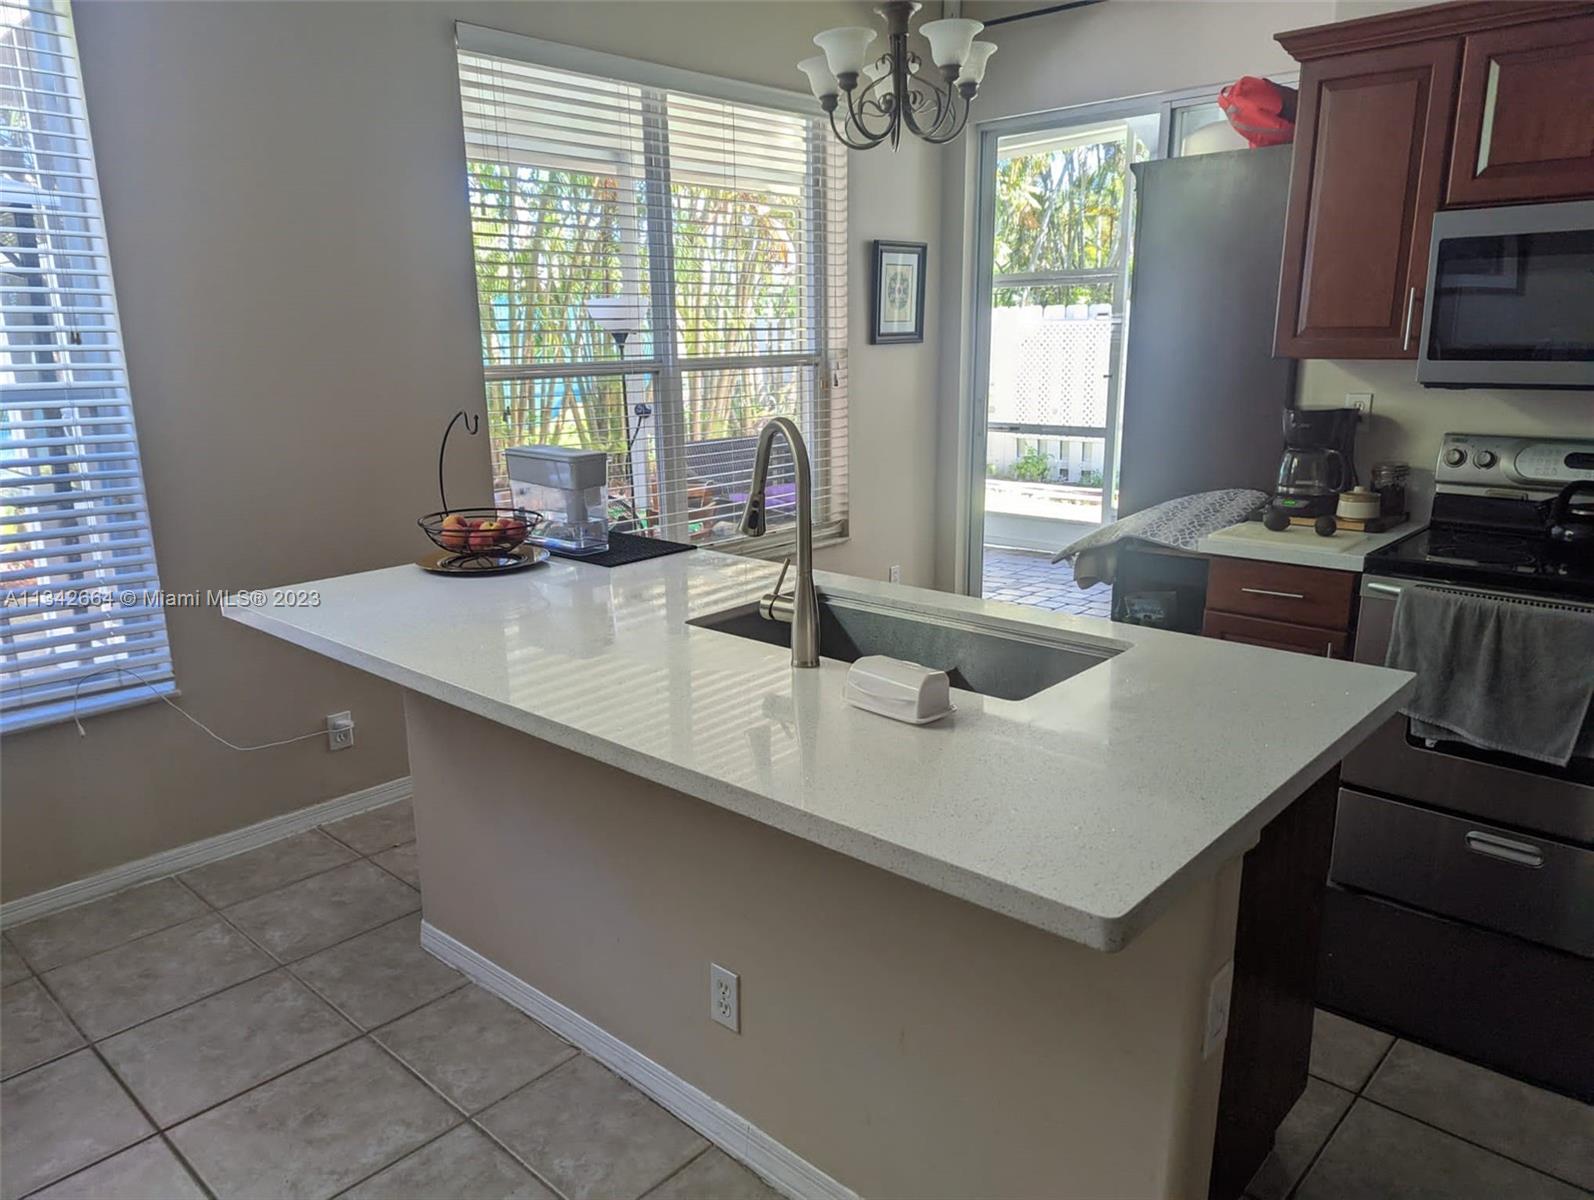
905,1042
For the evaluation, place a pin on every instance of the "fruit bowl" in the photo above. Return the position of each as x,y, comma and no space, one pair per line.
479,532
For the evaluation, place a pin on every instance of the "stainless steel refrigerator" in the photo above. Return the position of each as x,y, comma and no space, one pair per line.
1202,390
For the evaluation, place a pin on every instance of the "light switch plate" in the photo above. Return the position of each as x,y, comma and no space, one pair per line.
1218,1009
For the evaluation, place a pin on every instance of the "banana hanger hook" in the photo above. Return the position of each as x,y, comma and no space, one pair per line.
473,424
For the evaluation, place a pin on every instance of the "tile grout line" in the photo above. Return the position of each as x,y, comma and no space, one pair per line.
491,1137
1360,1093
469,1114
395,1162
115,945
93,1048
1306,1173
509,1150
176,876
193,1171
1379,1065
1475,1145
579,1053
467,1117
269,891
656,1186
157,1130
276,965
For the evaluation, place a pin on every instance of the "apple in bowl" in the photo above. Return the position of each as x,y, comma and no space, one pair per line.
454,532
511,532
485,535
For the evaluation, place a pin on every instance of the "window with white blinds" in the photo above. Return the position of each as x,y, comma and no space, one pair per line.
77,562
661,267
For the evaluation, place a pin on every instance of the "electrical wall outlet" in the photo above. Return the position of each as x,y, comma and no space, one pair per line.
894,573
340,730
1362,402
725,997
1218,1009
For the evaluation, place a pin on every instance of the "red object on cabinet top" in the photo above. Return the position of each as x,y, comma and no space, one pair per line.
1261,111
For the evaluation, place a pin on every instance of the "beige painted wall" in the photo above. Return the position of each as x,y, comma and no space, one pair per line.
283,192
1408,421
1104,52
907,1043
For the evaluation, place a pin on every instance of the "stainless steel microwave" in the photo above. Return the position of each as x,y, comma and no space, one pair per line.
1510,300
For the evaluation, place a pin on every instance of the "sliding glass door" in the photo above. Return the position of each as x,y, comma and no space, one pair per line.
1052,305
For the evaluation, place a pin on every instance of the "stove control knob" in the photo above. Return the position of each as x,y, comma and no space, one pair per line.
1485,459
1455,456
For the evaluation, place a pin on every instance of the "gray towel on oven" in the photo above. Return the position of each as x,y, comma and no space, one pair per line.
1500,675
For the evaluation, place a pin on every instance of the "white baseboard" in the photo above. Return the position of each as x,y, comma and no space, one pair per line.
780,1166
194,854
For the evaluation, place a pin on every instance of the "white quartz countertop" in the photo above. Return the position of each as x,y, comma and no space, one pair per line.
1301,545
1082,810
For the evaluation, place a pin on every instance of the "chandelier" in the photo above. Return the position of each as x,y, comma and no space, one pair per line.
897,91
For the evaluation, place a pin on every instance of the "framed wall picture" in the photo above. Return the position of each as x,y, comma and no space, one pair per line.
896,303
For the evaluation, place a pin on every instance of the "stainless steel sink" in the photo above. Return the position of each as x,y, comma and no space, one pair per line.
1007,665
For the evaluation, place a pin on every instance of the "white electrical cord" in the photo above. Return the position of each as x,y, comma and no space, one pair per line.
167,700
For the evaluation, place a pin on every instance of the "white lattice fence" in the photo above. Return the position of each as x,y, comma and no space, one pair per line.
1049,366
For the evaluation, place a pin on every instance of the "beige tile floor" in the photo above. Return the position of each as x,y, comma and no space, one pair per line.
268,1026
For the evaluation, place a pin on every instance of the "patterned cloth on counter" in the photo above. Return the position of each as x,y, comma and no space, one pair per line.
1173,524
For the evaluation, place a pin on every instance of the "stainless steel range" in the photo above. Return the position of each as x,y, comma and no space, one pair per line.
1461,906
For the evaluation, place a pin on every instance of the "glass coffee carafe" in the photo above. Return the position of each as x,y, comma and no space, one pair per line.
1313,471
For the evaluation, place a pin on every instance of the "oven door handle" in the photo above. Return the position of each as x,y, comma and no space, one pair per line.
1492,845
1381,589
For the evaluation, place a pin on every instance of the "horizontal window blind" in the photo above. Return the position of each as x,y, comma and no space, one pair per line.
708,231
77,561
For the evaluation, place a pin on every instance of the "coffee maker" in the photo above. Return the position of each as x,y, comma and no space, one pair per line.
1318,464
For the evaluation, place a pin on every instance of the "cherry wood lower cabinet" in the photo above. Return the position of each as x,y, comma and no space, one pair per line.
1276,635
1282,592
1525,115
1306,610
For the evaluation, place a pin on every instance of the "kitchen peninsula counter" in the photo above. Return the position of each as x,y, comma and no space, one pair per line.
979,957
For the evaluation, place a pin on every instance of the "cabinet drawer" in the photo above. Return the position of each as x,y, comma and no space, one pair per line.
1298,595
1498,878
1276,635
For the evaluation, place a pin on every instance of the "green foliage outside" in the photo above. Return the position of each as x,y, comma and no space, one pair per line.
1059,211
547,241
1033,467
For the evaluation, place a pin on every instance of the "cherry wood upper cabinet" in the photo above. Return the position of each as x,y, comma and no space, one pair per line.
1400,114
1371,136
1525,114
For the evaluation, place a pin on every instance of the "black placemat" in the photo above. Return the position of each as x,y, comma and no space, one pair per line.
627,548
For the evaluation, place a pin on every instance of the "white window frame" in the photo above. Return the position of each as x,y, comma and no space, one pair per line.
665,368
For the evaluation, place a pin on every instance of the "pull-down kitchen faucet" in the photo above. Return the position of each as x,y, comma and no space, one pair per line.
801,608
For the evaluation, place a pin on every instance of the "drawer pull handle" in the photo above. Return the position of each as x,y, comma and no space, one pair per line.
1270,592
1411,304
1490,845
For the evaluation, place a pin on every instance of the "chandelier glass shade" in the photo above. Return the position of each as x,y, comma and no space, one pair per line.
872,97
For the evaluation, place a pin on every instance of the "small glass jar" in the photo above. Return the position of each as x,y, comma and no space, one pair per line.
1389,481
